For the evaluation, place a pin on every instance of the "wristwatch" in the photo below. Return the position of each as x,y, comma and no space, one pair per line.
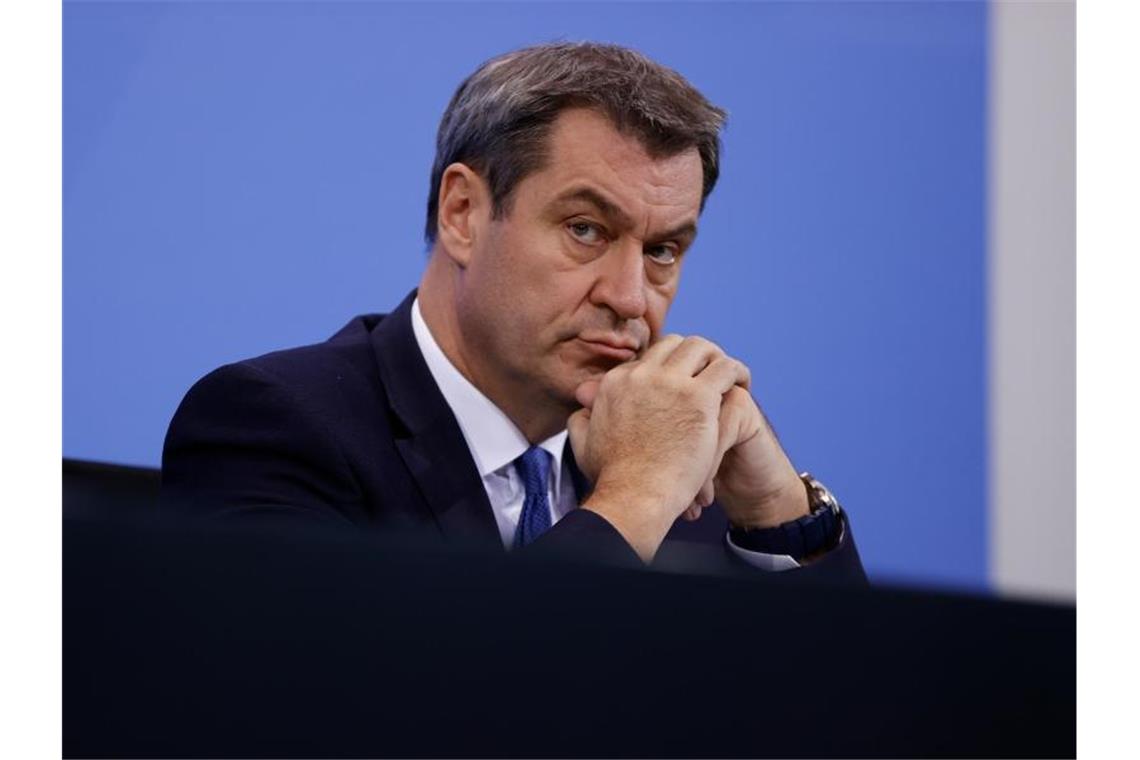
819,530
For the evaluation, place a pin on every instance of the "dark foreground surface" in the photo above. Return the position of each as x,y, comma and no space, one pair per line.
182,641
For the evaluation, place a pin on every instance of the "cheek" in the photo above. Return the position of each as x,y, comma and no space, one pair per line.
537,299
658,304
553,285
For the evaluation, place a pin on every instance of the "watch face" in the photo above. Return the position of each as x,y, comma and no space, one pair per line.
821,498
829,502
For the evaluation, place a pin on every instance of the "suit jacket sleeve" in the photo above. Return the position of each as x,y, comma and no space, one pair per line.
586,535
841,564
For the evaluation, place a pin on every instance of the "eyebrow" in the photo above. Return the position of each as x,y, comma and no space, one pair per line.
618,215
596,199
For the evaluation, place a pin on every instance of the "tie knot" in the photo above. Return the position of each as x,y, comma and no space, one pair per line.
534,468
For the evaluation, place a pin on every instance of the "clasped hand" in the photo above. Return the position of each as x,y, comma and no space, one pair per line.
664,435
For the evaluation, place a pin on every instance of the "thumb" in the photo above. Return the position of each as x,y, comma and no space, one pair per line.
729,428
587,392
577,425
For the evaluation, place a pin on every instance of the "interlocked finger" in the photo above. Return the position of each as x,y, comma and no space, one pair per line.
659,351
724,373
693,354
730,424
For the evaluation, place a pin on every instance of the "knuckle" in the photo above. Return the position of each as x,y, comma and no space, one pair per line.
708,345
692,340
723,362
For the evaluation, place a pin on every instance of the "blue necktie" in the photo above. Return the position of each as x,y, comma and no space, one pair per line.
534,469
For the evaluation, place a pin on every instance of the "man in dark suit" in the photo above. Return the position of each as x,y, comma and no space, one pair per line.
525,395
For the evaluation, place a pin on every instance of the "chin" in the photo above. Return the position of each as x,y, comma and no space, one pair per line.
564,378
560,388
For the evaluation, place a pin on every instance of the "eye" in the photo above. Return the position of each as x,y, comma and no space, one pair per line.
664,254
585,232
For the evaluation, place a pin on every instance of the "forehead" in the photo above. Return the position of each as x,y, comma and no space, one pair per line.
584,148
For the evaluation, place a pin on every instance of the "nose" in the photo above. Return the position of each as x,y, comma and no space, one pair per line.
621,283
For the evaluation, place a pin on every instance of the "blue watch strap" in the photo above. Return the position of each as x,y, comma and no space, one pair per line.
815,532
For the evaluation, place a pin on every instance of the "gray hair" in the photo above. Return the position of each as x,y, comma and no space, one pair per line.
499,118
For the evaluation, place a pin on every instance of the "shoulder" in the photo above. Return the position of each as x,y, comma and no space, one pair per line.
323,382
284,432
345,357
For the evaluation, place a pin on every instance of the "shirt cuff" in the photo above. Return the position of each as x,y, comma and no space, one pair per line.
770,562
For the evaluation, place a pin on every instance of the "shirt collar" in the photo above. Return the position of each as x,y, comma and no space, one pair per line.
493,439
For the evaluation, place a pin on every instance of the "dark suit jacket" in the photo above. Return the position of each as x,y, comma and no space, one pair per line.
354,431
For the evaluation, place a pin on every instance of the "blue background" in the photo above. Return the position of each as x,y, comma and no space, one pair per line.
243,177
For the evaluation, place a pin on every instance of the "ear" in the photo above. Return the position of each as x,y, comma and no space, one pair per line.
464,211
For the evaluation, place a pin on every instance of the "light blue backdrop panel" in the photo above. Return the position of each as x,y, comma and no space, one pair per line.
243,177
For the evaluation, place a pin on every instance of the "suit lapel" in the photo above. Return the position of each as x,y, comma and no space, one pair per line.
431,443
582,486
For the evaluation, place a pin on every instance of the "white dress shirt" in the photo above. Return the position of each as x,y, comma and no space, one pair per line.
495,443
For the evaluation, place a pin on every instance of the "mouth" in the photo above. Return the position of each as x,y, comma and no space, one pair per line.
618,349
